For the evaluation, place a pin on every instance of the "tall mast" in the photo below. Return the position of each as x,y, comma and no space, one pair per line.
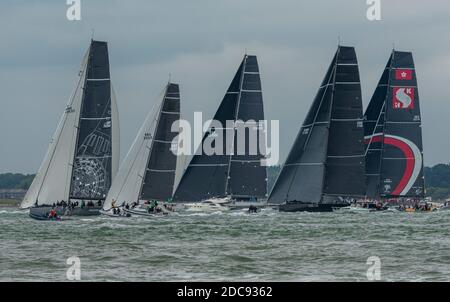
234,125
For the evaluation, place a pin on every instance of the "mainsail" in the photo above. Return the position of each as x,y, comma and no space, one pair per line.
393,133
239,175
148,171
83,155
326,161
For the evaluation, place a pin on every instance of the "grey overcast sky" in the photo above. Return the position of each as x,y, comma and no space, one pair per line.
201,43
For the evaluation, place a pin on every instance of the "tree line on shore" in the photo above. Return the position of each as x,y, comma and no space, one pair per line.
15,181
437,180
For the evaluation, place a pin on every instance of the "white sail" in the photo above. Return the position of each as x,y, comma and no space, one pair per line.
52,181
128,181
115,135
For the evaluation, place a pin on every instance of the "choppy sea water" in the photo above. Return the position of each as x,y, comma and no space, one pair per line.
232,246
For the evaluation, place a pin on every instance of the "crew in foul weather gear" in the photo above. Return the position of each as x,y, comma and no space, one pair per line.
53,214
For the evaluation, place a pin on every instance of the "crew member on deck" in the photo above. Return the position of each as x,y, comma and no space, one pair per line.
53,214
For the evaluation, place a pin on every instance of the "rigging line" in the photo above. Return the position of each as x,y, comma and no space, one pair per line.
79,119
386,112
241,84
320,105
384,109
329,118
74,132
115,127
375,128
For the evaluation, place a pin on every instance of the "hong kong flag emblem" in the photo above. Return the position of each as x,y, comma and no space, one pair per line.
403,74
403,98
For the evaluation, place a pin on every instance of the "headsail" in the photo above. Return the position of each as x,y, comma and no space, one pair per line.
87,114
220,175
393,133
148,170
327,158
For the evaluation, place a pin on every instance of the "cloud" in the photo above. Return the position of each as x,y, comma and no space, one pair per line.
201,43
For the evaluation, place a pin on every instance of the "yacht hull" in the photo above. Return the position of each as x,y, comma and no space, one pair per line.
310,207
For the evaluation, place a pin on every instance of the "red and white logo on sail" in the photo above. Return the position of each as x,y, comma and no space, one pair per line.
411,154
403,74
403,98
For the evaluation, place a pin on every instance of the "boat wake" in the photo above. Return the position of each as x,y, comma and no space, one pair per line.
15,211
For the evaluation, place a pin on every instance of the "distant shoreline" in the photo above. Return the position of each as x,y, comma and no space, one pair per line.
9,203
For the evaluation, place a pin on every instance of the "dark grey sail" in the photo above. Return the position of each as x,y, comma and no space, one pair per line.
247,178
326,163
160,173
241,175
393,133
92,163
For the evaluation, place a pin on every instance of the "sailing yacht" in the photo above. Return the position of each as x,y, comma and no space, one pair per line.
393,133
325,167
83,155
148,172
231,178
